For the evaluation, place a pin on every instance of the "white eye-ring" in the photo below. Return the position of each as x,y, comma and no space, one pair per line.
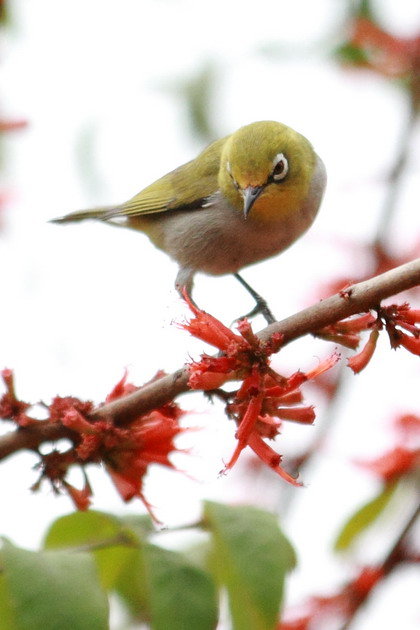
280,167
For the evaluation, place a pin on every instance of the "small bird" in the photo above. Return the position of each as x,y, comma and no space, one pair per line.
244,198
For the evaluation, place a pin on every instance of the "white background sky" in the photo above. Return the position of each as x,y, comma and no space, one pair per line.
80,303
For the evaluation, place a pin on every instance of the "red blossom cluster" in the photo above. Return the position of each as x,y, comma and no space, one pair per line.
397,320
259,406
265,398
404,457
320,611
381,51
125,452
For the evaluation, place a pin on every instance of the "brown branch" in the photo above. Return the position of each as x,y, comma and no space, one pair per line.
32,436
357,298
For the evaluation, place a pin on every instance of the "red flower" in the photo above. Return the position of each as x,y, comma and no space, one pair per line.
212,331
397,316
320,611
60,406
393,464
385,53
393,317
359,361
11,408
127,452
256,405
264,398
412,344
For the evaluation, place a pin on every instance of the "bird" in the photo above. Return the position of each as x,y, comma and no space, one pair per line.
245,198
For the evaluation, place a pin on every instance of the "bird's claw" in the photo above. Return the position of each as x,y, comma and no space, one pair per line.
261,308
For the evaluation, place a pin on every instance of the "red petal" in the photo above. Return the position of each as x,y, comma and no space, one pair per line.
270,457
360,360
304,415
80,498
411,315
126,486
293,398
245,428
210,372
323,366
354,325
206,380
412,344
209,329
122,388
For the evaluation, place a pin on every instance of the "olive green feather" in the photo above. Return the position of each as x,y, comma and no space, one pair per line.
186,185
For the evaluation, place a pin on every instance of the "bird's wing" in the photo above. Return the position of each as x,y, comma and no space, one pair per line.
187,187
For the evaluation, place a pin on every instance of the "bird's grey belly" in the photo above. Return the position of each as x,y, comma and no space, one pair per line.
216,243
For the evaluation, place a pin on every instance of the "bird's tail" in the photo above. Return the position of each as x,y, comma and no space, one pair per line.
102,213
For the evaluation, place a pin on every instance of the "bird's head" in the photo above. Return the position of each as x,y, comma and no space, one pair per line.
266,170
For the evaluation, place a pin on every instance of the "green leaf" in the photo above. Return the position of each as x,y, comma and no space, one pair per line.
100,533
6,611
54,590
182,596
81,528
131,586
251,557
364,517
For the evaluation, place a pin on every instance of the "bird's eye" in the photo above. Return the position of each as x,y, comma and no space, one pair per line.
281,167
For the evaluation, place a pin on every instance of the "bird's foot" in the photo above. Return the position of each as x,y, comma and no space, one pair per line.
261,306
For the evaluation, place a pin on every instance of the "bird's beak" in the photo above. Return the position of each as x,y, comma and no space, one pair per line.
250,194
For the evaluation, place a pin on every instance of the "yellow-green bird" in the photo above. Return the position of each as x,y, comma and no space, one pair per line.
246,197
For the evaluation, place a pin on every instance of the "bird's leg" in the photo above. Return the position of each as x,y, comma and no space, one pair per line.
261,305
184,282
